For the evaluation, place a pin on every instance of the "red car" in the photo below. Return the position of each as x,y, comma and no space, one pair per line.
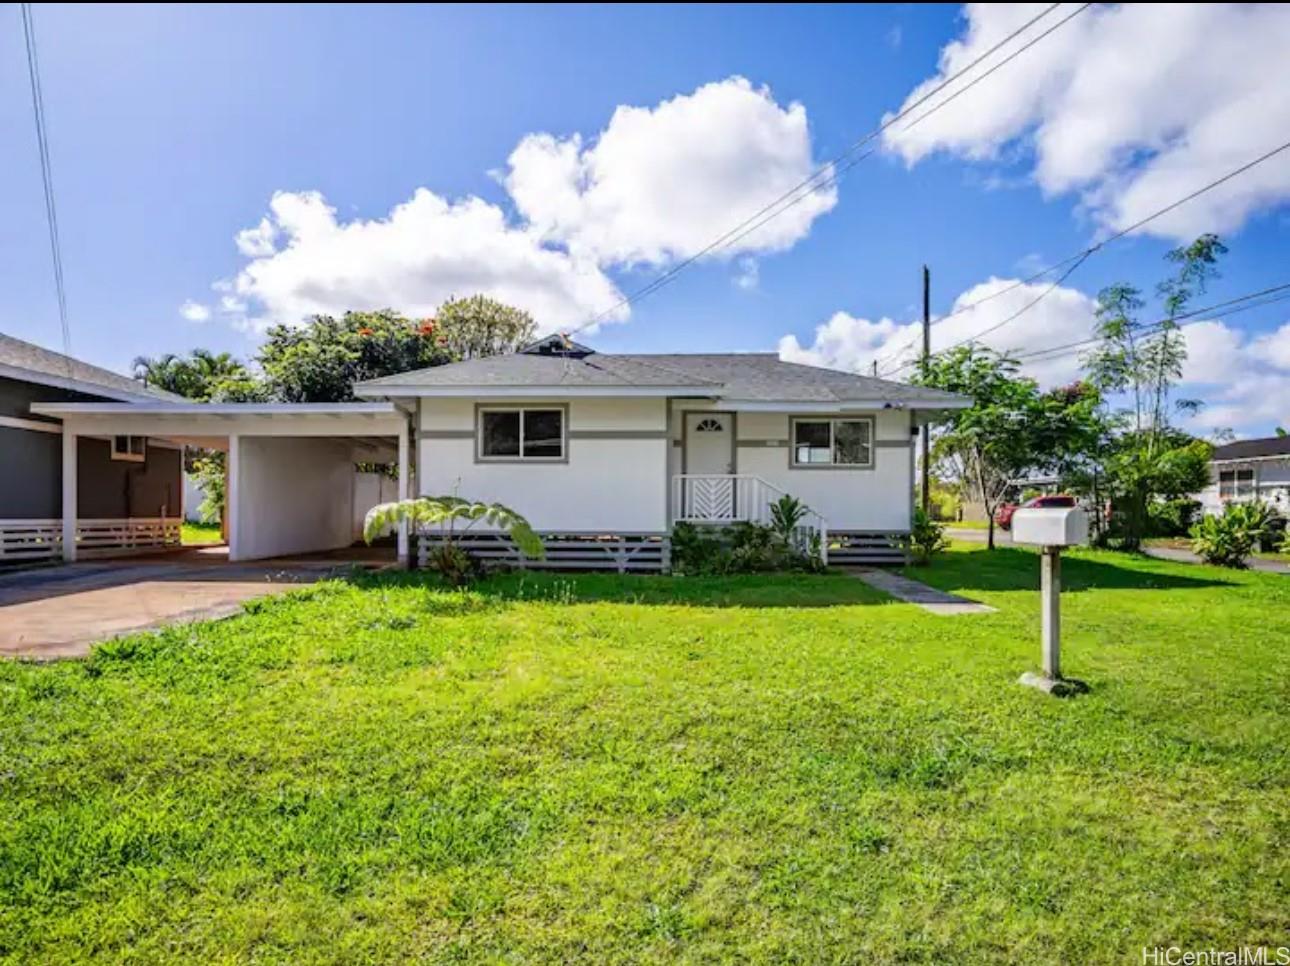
1003,515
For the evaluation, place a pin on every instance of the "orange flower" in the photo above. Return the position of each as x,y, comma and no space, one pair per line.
426,327
364,331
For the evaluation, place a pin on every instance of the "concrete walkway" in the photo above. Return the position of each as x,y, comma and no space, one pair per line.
914,592
59,612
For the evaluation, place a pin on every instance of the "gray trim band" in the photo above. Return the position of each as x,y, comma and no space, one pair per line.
762,443
892,443
446,434
618,434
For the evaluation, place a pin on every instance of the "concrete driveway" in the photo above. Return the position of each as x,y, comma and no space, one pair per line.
62,611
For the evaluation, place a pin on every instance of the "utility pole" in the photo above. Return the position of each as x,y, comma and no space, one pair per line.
927,354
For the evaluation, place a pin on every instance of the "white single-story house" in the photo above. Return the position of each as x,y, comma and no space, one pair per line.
1248,470
602,453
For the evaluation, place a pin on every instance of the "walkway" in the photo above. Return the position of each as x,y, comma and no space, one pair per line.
914,592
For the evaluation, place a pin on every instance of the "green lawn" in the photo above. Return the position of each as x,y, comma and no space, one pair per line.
774,769
200,533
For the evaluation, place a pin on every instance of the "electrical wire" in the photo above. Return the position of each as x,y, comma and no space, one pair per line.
46,173
830,172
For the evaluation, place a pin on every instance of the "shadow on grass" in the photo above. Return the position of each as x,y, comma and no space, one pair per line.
1006,568
749,590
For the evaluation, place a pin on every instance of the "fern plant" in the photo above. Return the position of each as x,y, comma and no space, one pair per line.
447,512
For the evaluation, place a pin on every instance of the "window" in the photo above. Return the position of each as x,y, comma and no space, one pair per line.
832,442
709,425
133,449
1236,485
521,434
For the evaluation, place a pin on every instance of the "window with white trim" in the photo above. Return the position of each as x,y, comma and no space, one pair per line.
1236,485
832,442
521,433
132,449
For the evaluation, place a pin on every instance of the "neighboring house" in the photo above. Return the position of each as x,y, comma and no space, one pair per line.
591,446
1247,470
602,453
130,487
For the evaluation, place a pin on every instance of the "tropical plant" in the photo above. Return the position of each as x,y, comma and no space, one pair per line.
926,538
740,548
194,377
1010,429
1229,539
785,514
446,513
321,360
207,469
1144,458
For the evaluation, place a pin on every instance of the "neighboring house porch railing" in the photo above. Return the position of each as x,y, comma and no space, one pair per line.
33,541
708,498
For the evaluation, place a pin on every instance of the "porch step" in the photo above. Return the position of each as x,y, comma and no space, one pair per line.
850,547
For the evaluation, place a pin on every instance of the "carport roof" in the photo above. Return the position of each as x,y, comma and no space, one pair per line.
215,409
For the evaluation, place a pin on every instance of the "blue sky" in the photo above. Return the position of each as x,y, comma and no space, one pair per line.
171,129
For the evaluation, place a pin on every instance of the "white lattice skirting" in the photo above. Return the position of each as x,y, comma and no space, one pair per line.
619,552
33,541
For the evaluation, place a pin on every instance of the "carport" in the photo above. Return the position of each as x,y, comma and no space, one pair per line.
290,466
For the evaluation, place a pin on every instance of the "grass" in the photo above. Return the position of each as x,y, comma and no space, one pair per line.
200,533
1184,543
605,769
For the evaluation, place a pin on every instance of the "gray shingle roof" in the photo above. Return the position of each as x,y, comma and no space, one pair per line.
735,376
54,365
1245,449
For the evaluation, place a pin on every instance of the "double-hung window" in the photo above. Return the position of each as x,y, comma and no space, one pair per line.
832,442
508,433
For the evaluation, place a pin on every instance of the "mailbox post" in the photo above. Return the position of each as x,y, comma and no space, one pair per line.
1051,528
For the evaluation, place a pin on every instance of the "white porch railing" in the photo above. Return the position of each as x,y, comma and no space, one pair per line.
733,498
31,541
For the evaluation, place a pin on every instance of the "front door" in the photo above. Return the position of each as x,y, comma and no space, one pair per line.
709,492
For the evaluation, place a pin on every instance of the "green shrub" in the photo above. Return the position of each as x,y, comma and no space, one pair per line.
926,538
740,548
1171,518
1229,539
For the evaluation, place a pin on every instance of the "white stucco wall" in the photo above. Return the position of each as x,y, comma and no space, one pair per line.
612,481
294,495
1271,482
877,498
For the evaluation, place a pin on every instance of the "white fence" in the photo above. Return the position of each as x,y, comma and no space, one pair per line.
32,541
734,498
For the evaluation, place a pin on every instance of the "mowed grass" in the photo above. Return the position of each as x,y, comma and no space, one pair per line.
199,533
605,769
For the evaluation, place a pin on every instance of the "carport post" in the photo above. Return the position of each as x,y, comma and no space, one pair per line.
69,493
403,494
232,496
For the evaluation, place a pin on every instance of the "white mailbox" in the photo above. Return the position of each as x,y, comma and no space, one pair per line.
1050,526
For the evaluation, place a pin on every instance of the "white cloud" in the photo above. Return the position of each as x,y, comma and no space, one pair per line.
660,183
748,275
1244,379
656,185
194,311
258,241
424,251
1133,106
1065,315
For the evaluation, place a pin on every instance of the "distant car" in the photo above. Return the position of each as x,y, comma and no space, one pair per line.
1003,515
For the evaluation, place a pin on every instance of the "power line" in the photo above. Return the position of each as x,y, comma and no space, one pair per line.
1242,303
830,171
46,173
1002,322
1079,257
